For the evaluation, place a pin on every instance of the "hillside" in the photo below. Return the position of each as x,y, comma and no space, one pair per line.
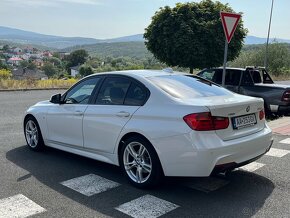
117,49
27,37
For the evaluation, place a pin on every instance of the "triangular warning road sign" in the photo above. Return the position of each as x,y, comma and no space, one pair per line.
230,22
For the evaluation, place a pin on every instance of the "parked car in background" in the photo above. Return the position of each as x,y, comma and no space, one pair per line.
254,82
152,123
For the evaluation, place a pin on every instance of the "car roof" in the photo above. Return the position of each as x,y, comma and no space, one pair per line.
141,73
228,68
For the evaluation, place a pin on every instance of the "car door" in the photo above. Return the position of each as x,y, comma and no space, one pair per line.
64,120
118,99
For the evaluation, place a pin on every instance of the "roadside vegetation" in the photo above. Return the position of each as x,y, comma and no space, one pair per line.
36,84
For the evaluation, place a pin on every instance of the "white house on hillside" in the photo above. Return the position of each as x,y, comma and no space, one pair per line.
74,70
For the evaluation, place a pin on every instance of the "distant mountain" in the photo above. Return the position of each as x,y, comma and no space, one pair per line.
132,38
27,37
59,42
251,40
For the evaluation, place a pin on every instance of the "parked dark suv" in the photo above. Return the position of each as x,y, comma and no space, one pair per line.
254,82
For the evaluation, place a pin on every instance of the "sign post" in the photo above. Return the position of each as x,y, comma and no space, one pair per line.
230,22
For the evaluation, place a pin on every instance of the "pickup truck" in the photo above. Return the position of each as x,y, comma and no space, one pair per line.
254,82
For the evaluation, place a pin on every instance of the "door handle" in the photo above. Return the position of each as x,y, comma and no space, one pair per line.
79,113
123,114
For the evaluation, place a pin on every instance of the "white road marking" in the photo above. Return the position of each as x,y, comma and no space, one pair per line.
147,206
252,166
19,206
274,152
285,141
207,184
90,184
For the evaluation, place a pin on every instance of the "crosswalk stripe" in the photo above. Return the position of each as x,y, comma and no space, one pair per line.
147,206
285,141
274,152
90,184
252,166
19,206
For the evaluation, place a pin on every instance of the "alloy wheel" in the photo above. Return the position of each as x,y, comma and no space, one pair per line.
137,162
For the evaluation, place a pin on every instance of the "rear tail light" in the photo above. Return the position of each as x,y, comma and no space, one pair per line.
262,114
206,122
286,96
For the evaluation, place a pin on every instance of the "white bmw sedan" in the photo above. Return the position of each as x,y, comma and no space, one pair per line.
152,123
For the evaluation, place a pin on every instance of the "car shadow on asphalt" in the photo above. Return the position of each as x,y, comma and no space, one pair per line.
242,195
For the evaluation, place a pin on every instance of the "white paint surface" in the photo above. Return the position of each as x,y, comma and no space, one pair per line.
230,24
285,141
274,152
207,184
90,184
147,206
252,166
18,206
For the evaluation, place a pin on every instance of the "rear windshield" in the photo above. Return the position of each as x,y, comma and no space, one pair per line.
182,86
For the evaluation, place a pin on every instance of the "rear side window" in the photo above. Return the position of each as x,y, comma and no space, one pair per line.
113,91
181,86
136,95
233,77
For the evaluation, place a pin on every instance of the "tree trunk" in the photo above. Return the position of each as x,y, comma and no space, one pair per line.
191,70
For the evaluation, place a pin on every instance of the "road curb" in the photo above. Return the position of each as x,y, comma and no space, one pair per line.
24,90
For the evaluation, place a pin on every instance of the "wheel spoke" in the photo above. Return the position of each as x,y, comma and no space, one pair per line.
146,167
30,125
139,175
34,139
130,165
30,141
141,151
131,151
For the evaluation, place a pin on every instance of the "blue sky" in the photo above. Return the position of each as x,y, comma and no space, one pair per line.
114,18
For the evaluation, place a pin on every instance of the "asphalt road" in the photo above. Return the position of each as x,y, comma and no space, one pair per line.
38,176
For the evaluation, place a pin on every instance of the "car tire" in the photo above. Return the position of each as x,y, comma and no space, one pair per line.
33,134
140,163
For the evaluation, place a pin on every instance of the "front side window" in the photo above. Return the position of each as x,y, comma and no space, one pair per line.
81,93
113,91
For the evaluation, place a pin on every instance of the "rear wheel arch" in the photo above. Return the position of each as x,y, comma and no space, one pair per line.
156,171
134,134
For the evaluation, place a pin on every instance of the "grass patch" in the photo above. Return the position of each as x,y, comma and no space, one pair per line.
36,84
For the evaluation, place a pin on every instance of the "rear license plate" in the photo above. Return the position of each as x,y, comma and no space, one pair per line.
244,121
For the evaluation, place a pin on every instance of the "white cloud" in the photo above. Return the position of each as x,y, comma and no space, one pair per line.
49,3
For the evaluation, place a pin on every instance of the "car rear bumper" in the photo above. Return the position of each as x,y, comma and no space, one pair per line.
199,154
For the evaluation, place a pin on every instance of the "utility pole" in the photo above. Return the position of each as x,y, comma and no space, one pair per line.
267,45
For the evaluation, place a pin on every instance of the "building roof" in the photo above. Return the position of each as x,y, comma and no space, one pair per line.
15,59
75,67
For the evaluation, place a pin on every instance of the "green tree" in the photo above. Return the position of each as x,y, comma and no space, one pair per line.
5,48
77,57
191,35
278,56
49,69
86,70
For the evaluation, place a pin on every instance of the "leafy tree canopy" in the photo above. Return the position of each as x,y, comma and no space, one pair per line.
191,35
49,69
86,70
77,57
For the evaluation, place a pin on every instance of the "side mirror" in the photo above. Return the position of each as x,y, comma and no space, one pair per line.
56,99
